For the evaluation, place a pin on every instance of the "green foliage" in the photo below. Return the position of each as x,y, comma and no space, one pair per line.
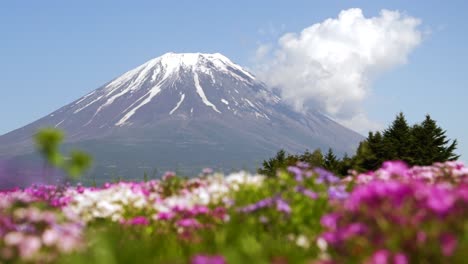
315,159
77,163
432,143
282,160
48,141
420,144
331,162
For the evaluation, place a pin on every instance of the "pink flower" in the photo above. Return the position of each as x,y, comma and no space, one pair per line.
380,257
29,246
440,199
400,258
207,171
448,243
50,237
165,215
13,238
188,222
204,259
168,175
139,220
330,221
396,167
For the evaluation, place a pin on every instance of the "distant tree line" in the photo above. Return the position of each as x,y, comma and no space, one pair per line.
421,144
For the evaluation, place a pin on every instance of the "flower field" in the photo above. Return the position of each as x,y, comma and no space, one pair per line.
392,215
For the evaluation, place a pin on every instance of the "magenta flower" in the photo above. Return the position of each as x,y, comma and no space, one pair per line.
205,259
448,244
380,257
330,220
440,199
165,215
400,258
189,222
395,167
139,220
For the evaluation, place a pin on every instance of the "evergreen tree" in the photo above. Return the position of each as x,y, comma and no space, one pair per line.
270,166
315,159
397,141
377,154
281,161
345,165
331,162
421,144
430,144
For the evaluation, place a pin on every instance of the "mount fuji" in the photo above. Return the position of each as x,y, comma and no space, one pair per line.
182,111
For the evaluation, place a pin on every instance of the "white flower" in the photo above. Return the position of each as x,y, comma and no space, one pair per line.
302,241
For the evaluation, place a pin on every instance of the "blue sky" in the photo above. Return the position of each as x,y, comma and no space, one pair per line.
52,52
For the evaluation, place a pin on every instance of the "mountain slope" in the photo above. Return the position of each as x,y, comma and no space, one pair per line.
188,111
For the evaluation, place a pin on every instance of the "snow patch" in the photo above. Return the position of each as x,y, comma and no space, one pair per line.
149,96
201,93
90,103
182,97
225,101
84,97
59,123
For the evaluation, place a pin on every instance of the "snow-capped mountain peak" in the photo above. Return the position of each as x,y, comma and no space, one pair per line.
177,84
172,63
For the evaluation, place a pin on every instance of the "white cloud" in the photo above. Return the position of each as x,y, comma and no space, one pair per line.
330,65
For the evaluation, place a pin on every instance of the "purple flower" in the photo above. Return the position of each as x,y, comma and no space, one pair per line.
205,259
337,192
258,205
325,176
311,194
283,206
302,165
297,172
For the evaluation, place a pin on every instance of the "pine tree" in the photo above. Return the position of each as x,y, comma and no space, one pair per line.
315,159
331,162
281,161
345,165
270,166
397,140
430,144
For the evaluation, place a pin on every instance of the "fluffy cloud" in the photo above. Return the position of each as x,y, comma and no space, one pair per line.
330,65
